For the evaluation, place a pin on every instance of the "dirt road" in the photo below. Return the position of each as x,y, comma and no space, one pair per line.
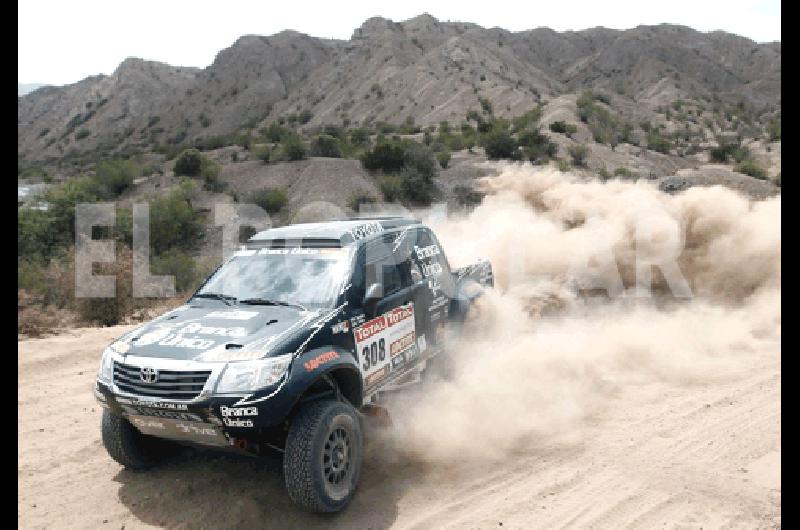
684,457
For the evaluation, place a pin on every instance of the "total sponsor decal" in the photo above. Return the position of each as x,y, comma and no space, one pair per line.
394,329
319,360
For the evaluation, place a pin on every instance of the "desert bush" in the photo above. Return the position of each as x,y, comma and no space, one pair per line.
357,199
305,116
774,128
500,144
444,159
750,167
275,132
656,142
209,172
113,177
391,187
189,163
579,153
325,145
292,149
563,165
558,127
467,196
272,200
624,173
536,147
386,156
174,223
177,263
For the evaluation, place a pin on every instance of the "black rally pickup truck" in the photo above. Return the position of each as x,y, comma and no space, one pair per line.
284,346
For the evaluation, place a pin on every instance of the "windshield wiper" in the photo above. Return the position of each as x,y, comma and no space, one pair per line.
266,301
228,299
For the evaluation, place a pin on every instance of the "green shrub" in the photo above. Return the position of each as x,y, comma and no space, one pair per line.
357,199
391,187
262,152
444,159
386,156
750,167
272,200
113,177
563,165
189,163
326,146
579,153
209,172
536,147
658,143
500,144
83,133
292,149
305,116
275,132
774,128
558,127
174,223
177,263
466,196
624,173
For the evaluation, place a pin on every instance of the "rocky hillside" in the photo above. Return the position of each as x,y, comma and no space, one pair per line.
421,69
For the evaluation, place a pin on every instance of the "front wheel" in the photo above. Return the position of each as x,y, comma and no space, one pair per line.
322,462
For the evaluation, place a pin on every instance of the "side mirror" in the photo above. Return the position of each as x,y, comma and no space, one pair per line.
371,299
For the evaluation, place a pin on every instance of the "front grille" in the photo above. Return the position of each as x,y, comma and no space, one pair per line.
171,384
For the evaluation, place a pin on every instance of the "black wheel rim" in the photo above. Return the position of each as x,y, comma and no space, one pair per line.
337,459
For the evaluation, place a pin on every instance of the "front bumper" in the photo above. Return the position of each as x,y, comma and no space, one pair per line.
211,420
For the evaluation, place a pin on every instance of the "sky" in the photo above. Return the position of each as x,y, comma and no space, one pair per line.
63,42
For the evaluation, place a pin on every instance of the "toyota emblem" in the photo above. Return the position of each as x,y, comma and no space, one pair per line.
148,375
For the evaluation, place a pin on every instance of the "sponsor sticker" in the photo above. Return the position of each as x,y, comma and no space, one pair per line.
367,229
421,345
377,376
319,360
237,423
195,327
341,327
159,404
382,338
236,314
427,252
238,411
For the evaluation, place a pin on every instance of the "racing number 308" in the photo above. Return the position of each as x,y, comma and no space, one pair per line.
374,353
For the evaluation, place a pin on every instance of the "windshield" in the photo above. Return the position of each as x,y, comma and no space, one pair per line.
311,278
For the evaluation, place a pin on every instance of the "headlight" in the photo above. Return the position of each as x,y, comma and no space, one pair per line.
248,376
106,366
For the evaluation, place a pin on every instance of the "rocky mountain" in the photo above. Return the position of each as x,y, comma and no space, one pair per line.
421,69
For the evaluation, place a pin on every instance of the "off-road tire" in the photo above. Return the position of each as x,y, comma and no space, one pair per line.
131,448
314,430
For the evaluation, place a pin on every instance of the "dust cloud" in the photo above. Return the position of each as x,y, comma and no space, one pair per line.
566,329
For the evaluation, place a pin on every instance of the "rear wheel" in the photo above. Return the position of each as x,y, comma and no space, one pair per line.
131,448
322,462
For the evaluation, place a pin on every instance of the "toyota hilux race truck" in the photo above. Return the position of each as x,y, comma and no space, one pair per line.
286,346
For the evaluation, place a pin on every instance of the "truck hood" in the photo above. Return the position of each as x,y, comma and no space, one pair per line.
216,332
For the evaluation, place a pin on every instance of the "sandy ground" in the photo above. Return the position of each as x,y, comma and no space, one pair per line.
681,457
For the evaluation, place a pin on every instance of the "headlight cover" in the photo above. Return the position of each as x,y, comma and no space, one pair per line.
249,376
106,366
